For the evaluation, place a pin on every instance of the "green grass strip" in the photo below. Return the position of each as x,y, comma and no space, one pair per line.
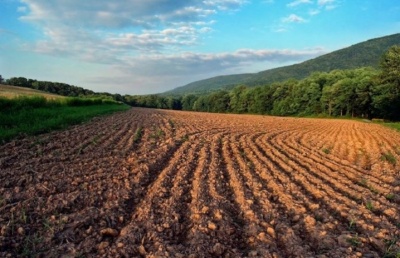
33,121
393,125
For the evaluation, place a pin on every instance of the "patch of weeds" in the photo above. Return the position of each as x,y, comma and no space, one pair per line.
185,138
30,245
23,217
374,190
363,182
12,223
392,249
138,135
352,225
370,206
327,150
157,134
48,225
390,196
354,241
389,157
53,224
95,139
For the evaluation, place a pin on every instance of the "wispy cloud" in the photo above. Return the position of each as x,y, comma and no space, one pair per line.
293,18
299,2
325,2
128,27
313,12
317,6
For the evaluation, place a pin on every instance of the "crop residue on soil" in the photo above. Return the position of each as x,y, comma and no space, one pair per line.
153,183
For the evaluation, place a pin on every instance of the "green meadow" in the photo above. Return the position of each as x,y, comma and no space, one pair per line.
32,115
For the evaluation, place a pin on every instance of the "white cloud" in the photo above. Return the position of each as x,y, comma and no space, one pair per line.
326,2
148,20
225,4
314,12
330,7
293,18
299,2
124,27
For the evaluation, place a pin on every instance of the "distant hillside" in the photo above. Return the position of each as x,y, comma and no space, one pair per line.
363,54
14,91
219,82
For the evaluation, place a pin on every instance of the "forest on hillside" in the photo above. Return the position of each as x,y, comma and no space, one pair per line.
364,54
364,92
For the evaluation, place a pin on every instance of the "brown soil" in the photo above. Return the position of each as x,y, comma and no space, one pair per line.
202,185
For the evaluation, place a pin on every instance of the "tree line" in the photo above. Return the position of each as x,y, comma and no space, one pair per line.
58,88
364,92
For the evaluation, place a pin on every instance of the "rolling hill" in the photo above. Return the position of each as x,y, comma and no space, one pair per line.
367,53
9,91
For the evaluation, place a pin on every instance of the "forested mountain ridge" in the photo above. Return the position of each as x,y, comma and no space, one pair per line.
367,53
214,83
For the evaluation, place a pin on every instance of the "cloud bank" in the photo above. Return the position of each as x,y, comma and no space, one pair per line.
145,42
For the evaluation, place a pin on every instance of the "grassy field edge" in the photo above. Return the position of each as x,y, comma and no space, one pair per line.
19,120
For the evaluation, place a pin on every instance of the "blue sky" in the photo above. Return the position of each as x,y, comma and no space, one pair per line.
151,46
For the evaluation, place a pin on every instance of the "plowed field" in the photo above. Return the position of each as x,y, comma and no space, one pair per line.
155,183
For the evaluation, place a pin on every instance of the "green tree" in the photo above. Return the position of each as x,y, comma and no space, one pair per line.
262,100
365,83
188,102
386,100
174,103
219,101
18,81
236,100
202,103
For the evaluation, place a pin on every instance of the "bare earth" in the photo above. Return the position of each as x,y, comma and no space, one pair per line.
202,185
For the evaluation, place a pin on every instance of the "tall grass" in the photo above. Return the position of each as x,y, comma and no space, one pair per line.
393,125
34,115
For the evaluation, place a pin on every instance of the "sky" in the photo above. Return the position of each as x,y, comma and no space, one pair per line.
151,46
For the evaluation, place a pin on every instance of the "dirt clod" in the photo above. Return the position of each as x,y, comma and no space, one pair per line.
109,232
